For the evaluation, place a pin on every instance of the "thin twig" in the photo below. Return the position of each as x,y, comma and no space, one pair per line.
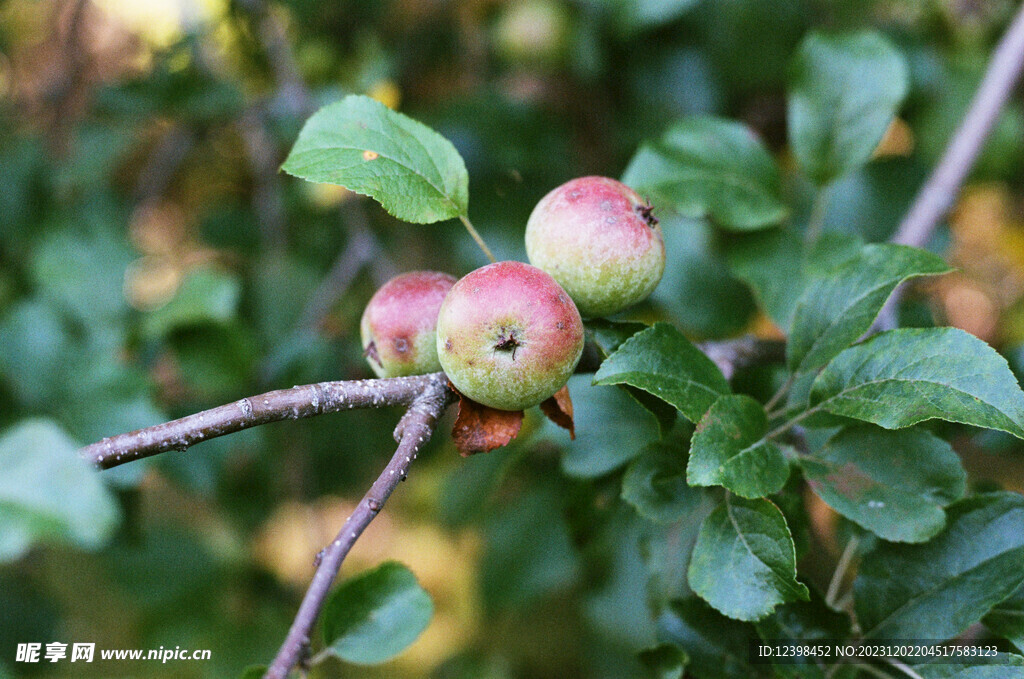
268,193
273,38
816,220
359,251
840,573
940,190
414,430
284,404
476,236
164,160
942,187
778,395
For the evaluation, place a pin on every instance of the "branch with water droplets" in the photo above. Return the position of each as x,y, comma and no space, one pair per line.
283,404
412,432
331,397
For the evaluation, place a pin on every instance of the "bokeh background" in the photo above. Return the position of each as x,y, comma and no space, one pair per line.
154,262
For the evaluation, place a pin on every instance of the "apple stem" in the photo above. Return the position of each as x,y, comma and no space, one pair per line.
476,236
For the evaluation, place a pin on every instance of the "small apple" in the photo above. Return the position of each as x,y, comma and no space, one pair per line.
399,324
598,239
508,336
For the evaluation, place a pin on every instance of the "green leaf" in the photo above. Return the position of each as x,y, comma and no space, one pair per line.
662,362
617,607
698,292
48,493
892,483
777,265
705,166
411,170
729,449
1002,666
633,16
611,429
663,662
529,552
772,264
901,377
1007,619
205,296
609,335
844,92
83,274
374,616
668,546
717,646
839,307
937,589
36,350
655,484
744,562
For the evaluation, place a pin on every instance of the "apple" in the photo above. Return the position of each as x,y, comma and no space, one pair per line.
598,239
399,324
508,335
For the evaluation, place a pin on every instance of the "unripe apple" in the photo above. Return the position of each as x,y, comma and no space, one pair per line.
399,324
598,239
508,336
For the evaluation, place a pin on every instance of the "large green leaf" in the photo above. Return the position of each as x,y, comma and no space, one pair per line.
1007,619
844,91
840,306
1001,666
375,615
655,484
902,377
705,166
729,449
662,362
529,553
777,265
744,562
636,15
48,493
893,483
411,170
937,589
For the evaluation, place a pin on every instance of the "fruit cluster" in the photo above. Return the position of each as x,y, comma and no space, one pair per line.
510,334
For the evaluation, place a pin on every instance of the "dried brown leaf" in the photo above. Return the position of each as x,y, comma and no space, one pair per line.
558,408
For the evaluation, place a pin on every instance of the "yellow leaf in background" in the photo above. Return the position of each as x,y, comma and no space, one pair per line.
386,92
898,140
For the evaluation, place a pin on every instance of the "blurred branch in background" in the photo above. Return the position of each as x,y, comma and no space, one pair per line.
940,191
361,250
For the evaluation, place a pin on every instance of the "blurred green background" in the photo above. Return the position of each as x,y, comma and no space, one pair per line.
155,262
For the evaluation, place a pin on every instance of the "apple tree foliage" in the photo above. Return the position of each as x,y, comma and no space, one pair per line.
677,526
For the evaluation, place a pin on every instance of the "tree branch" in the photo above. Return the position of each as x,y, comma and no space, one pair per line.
938,193
283,404
310,400
940,190
414,429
